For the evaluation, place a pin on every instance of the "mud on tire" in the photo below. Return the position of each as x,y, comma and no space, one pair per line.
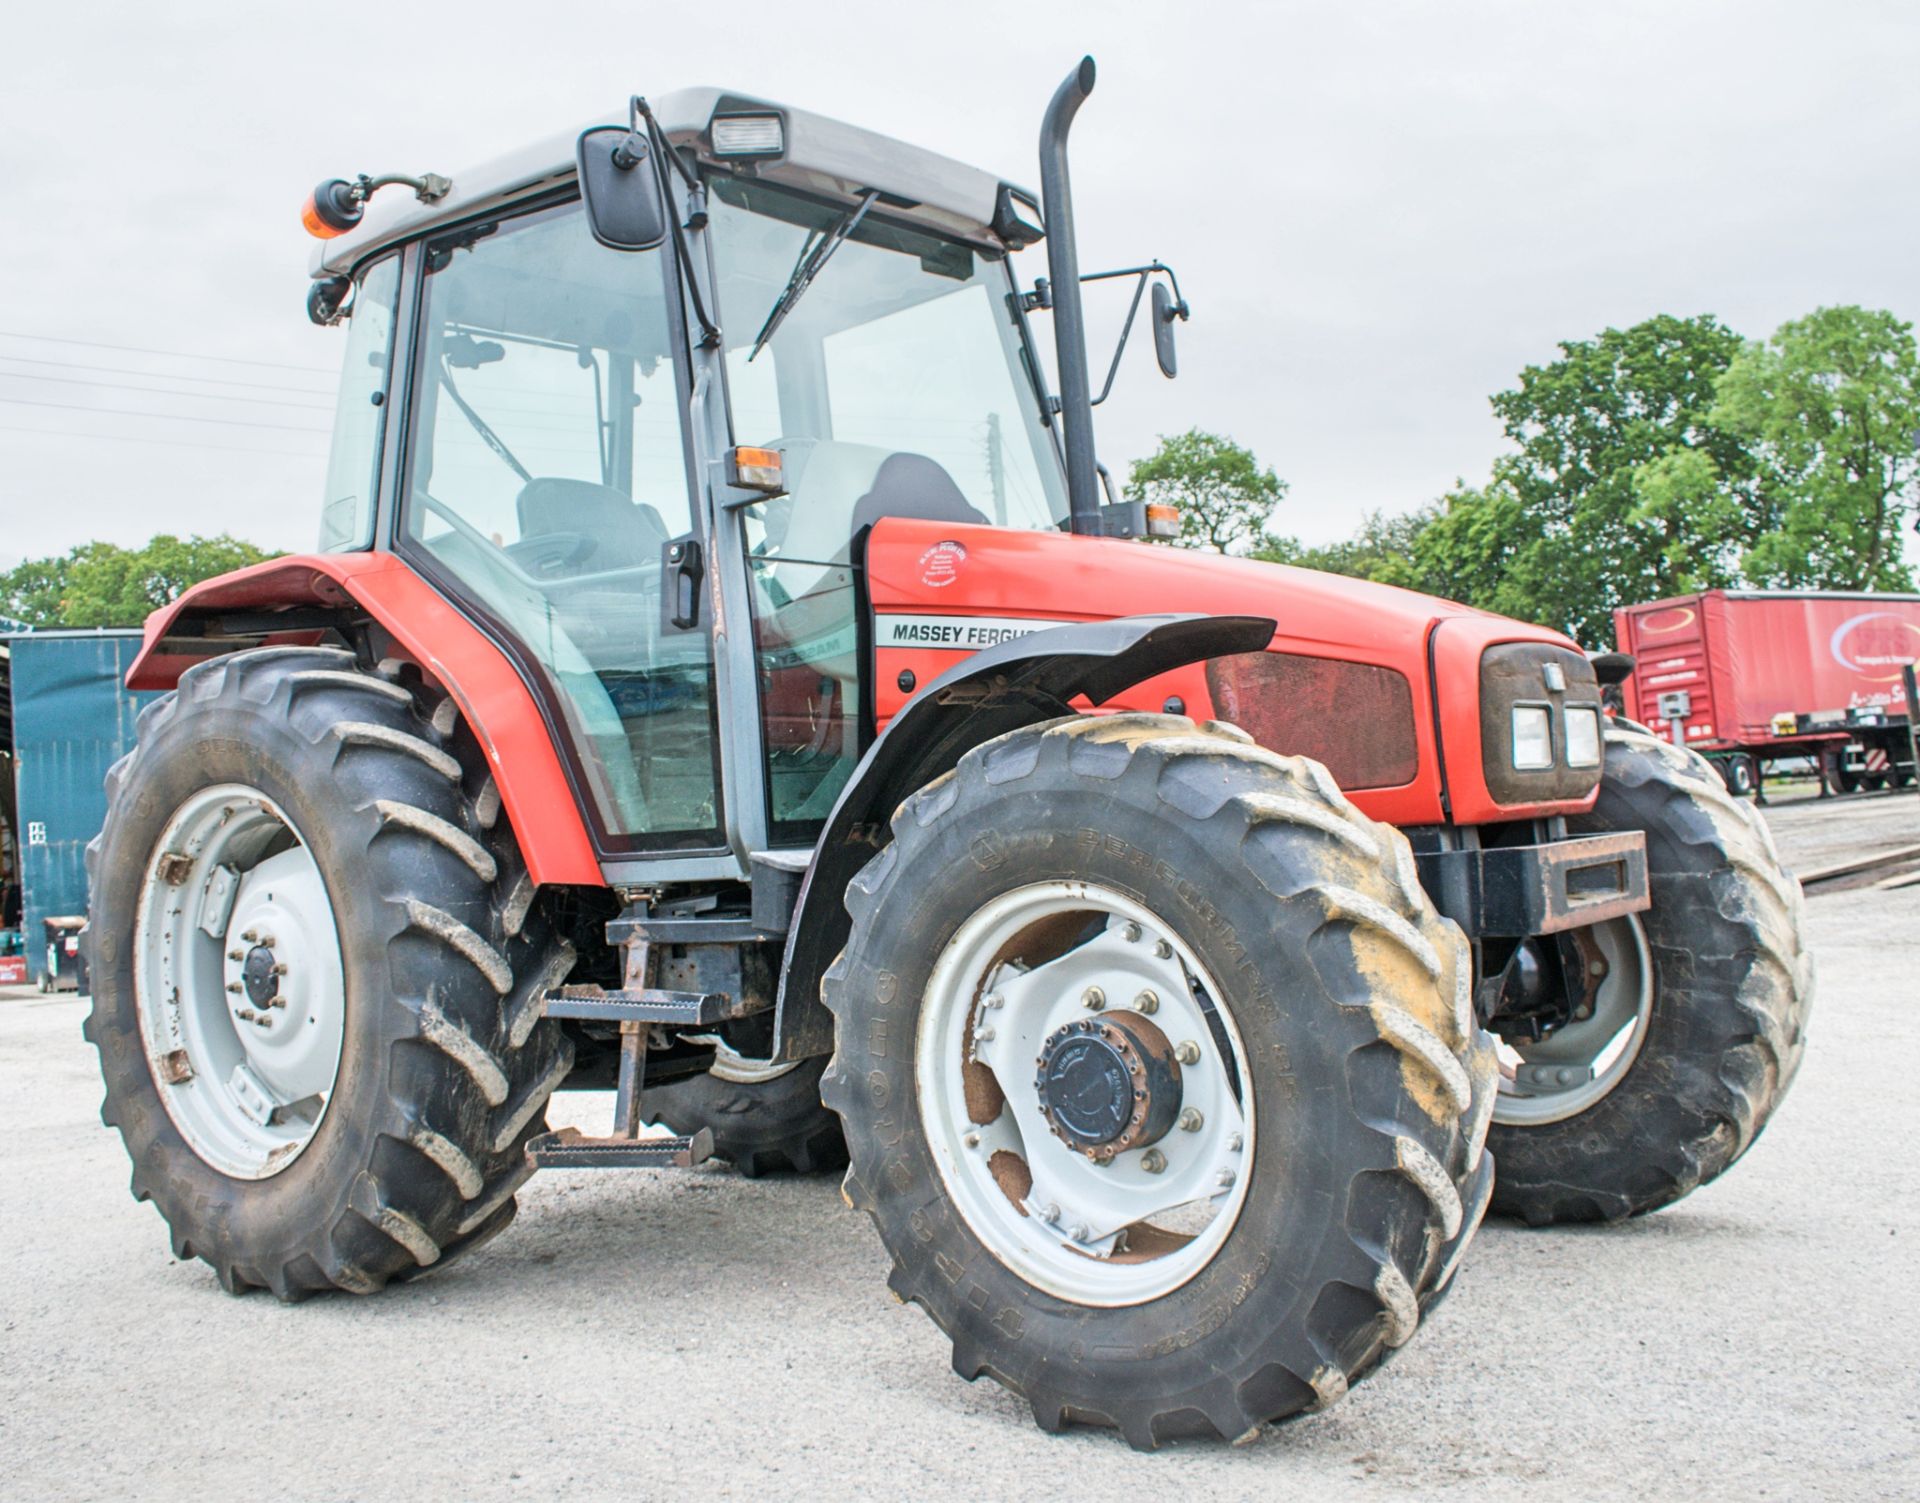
1732,988
446,1064
1371,1081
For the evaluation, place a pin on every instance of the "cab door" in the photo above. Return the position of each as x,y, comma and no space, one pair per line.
549,494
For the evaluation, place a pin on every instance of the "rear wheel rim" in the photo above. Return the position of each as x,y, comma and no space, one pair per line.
1571,1069
238,981
1002,995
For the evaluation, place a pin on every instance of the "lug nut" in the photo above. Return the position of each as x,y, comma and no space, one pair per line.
1162,949
236,954
972,1140
251,936
233,986
1081,1233
279,968
1131,933
1235,1142
1050,1213
1153,1161
1187,1052
1147,1002
983,1035
1094,998
1191,1120
247,1015
278,1002
1224,1179
994,999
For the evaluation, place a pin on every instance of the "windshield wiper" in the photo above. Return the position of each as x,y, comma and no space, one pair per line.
813,256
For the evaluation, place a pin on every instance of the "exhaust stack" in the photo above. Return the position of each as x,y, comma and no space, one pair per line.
1069,322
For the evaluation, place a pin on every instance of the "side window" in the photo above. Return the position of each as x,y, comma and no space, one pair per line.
548,476
353,469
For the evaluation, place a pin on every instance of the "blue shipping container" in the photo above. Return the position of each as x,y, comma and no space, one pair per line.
72,720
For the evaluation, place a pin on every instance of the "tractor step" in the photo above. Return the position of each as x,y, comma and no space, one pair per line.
647,1005
568,1149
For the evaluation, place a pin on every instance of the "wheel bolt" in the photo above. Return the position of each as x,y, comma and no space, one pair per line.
251,936
983,1035
1224,1179
1235,1142
279,968
1147,1002
1050,1213
1094,998
246,1015
1191,1120
1153,1161
233,986
236,954
1131,933
1081,1233
994,999
972,1140
1187,1052
278,1002
1163,949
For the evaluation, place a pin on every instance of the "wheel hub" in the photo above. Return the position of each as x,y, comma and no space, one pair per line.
1107,1085
258,976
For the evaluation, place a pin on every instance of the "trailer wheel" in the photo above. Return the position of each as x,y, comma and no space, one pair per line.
318,965
1737,771
1159,1074
765,1119
1697,1027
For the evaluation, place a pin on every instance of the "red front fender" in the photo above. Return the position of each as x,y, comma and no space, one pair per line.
489,691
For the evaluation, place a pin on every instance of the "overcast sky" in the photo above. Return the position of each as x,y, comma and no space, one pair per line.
1380,212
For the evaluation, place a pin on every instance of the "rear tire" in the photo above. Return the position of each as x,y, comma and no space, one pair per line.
1732,984
1346,1009
444,1063
768,1125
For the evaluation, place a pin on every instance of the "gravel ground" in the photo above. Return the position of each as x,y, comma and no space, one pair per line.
696,1334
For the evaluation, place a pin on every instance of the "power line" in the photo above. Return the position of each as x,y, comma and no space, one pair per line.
134,349
161,391
168,443
127,370
164,417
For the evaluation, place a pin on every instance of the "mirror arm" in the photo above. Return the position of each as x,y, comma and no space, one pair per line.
663,152
1126,329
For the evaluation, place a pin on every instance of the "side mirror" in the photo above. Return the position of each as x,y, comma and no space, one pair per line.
621,189
1165,311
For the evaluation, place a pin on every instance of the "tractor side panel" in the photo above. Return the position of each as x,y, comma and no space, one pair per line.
1345,679
495,701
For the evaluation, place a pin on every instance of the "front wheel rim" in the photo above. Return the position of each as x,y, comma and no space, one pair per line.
1573,1068
238,981
1017,977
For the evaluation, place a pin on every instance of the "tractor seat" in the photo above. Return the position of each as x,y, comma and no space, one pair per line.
627,533
916,487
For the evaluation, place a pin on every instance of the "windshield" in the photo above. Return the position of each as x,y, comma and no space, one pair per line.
894,385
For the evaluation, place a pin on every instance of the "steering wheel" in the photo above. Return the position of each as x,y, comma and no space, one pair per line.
546,553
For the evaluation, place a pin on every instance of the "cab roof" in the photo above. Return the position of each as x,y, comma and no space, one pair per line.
823,156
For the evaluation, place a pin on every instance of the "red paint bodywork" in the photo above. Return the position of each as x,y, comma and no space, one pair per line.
1028,575
497,704
1744,658
1003,573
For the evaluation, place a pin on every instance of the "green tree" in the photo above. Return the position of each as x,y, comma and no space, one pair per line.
1603,521
102,584
1225,498
1832,405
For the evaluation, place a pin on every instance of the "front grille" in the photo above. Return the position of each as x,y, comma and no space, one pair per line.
1357,718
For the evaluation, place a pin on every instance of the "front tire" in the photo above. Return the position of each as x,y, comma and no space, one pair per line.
1093,879
1722,1025
285,790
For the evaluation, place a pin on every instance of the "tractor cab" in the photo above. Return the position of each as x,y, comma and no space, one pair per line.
545,426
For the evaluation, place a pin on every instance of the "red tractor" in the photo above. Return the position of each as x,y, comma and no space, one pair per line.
724,678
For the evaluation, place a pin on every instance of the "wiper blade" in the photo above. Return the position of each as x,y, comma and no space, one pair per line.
813,256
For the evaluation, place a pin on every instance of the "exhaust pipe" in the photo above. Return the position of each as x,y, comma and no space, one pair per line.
1069,323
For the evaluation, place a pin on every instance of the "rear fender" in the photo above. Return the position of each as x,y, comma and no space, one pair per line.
307,588
1017,683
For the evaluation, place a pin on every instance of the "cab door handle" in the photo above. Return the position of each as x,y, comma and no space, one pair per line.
684,572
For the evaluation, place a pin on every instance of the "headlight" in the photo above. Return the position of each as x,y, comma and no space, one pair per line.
1583,736
1532,737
